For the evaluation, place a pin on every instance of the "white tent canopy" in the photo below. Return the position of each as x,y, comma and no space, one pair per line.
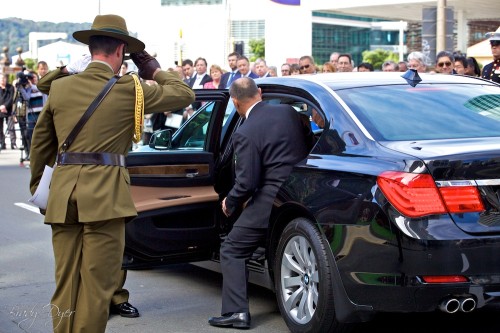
57,54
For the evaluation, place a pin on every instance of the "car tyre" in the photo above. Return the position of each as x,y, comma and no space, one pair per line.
303,280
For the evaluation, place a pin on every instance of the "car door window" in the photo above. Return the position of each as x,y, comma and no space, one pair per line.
193,134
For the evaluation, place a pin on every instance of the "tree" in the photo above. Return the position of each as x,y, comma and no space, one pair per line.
30,63
378,57
257,48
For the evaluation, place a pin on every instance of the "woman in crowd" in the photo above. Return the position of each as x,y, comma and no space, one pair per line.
328,67
294,69
216,74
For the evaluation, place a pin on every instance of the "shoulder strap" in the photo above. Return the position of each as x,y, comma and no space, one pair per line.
71,137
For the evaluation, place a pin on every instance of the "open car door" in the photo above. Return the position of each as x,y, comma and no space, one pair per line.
173,187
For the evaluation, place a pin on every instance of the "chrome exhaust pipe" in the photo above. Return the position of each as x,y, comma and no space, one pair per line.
467,304
449,305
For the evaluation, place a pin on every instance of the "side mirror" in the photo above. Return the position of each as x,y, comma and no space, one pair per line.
161,140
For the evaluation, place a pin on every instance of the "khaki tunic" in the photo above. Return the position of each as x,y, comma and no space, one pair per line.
102,192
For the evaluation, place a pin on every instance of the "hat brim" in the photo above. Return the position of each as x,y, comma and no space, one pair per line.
493,36
133,44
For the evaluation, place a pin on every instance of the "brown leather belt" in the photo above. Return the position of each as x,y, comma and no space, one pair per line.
91,158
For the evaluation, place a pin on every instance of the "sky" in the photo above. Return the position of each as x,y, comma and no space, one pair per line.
81,11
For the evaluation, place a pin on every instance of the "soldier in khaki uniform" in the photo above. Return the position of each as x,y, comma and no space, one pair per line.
90,199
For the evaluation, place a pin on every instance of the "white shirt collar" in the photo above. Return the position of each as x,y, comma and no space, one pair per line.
250,109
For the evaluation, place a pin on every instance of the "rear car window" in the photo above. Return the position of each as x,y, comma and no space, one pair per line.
426,112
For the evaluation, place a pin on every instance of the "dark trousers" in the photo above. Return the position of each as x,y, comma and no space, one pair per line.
235,252
31,119
8,129
22,128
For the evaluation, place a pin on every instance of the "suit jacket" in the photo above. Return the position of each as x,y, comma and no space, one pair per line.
253,75
7,96
267,146
225,78
102,192
487,72
206,78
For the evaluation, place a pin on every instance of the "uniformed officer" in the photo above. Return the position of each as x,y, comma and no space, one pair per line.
492,70
89,200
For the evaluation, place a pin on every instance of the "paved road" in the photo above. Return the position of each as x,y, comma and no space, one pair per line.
178,298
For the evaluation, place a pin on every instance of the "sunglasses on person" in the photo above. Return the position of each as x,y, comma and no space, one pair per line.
304,67
495,42
441,64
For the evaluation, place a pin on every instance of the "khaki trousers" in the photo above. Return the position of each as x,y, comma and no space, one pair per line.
88,260
121,294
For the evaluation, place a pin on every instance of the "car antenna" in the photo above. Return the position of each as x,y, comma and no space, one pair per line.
411,76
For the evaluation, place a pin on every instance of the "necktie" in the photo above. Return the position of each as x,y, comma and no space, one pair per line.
231,77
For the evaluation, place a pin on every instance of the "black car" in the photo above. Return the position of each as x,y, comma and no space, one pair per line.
395,209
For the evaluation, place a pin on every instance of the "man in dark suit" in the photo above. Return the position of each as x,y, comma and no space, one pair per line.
201,77
187,70
228,77
267,146
89,200
491,71
243,65
261,68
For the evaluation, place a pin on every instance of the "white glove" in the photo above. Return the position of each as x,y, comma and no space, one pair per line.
79,65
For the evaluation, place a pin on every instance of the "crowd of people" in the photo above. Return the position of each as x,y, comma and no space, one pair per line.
21,103
198,75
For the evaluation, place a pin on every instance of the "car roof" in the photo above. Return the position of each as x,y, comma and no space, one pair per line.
344,80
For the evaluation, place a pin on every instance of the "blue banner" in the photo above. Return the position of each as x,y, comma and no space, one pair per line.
288,2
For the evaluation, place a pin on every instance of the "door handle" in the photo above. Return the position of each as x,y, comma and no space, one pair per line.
191,173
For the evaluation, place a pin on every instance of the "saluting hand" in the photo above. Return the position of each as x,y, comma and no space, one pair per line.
147,64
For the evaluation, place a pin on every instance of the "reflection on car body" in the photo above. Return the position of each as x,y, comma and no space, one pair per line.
396,208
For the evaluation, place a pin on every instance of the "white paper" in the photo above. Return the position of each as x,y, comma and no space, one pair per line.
41,195
173,120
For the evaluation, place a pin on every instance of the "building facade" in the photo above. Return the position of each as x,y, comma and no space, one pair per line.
214,28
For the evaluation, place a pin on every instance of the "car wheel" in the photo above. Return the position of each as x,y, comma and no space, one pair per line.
303,280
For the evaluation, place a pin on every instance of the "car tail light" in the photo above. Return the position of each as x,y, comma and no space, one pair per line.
462,199
444,279
416,195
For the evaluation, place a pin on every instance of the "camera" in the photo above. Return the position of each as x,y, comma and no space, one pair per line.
23,77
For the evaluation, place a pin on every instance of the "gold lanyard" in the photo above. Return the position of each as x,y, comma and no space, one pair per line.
139,109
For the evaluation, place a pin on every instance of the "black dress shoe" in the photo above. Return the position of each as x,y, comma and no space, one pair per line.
124,309
236,320
13,146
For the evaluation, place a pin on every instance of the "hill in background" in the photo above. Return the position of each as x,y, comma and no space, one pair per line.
14,32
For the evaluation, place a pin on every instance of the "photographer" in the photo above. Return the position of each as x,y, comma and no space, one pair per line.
30,103
6,100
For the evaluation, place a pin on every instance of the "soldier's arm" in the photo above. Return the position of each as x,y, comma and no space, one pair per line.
45,82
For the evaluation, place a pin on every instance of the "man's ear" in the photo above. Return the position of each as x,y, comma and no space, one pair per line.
121,50
236,104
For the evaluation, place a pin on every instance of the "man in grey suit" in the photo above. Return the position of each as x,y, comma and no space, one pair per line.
267,146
